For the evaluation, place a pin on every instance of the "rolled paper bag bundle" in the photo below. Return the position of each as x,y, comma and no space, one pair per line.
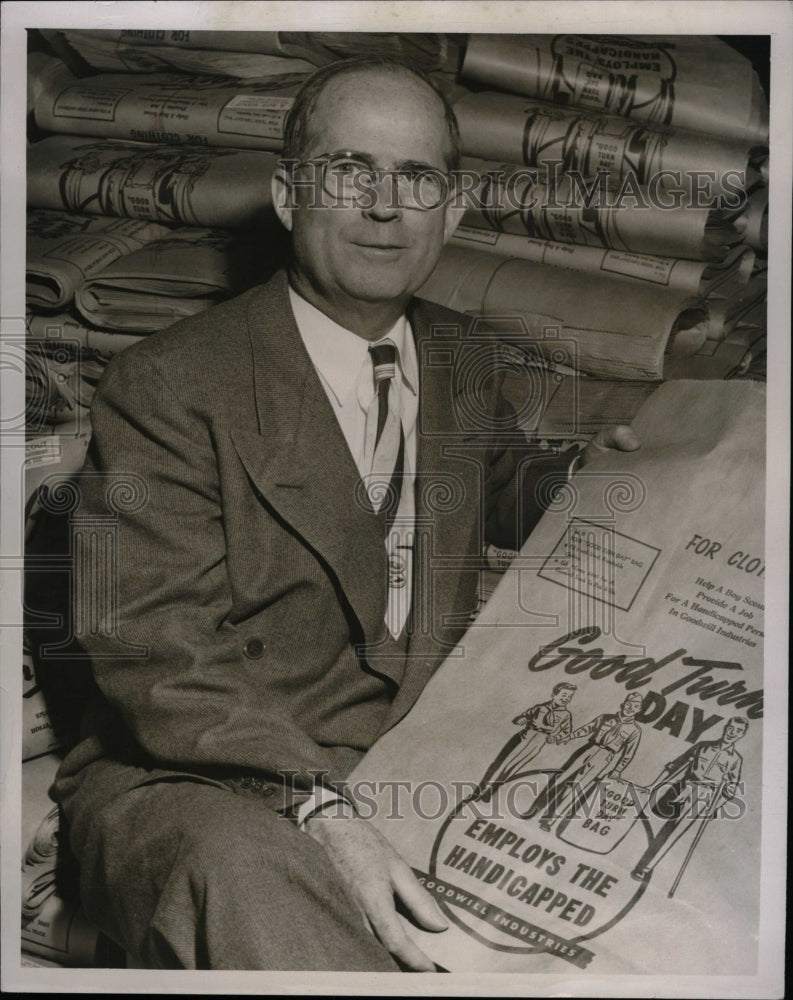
534,133
38,866
752,222
692,82
152,51
37,777
193,186
250,53
38,884
63,249
693,276
169,279
40,69
53,927
427,51
39,835
172,108
518,200
43,847
606,326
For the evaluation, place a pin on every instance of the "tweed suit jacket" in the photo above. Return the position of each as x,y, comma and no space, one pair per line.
248,580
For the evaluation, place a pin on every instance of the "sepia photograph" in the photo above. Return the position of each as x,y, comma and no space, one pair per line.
395,497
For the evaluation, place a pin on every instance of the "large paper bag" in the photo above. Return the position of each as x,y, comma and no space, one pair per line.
624,837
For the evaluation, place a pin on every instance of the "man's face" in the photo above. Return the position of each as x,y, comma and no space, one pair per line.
733,731
562,697
383,253
631,706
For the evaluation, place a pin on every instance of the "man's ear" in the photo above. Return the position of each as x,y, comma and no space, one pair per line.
455,210
281,191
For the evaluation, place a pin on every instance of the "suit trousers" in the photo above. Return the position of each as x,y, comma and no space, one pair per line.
189,875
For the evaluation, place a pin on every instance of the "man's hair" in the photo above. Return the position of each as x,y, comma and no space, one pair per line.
562,685
297,130
737,718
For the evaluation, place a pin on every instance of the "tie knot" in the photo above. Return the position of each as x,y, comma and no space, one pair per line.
383,361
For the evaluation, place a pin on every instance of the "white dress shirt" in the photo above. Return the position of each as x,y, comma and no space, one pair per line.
342,360
344,365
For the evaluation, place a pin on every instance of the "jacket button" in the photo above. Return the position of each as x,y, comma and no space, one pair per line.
253,648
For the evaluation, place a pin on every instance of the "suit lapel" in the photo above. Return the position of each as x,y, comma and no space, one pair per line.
297,458
299,461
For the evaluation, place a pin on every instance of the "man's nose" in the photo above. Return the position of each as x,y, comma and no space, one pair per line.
385,202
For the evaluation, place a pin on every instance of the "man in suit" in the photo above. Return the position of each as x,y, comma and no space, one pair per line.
255,637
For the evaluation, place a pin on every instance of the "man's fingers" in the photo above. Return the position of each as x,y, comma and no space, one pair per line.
417,900
407,951
619,436
374,874
387,928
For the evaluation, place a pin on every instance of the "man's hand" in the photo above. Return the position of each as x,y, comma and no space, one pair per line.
618,437
374,875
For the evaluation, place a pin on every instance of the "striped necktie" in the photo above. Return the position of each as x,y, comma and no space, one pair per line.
384,448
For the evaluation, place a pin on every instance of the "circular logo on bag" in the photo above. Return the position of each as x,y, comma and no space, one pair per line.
519,880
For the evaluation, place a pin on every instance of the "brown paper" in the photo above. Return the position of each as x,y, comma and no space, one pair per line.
61,932
178,276
511,199
524,130
577,407
194,187
605,326
172,108
643,587
697,277
696,82
64,248
252,53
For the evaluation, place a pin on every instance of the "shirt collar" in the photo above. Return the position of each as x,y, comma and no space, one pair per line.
339,354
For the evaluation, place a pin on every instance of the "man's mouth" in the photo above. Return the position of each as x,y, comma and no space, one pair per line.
384,247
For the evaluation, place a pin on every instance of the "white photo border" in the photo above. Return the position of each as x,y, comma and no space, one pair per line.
641,17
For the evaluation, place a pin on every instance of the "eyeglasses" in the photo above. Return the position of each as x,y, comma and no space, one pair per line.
352,181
